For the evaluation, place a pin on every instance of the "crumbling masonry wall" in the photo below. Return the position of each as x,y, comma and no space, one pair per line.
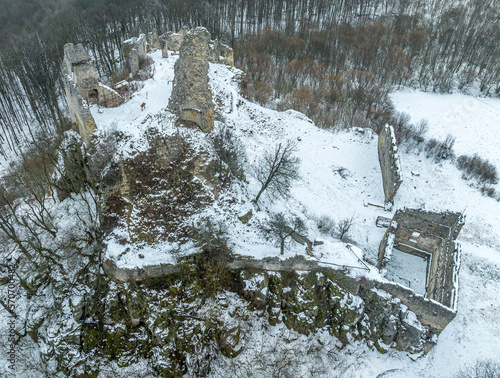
135,49
217,52
429,235
378,298
82,88
79,75
191,99
390,165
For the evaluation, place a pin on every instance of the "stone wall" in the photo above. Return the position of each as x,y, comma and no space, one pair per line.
220,53
79,111
82,88
429,313
428,234
79,75
174,40
217,52
134,49
191,99
390,165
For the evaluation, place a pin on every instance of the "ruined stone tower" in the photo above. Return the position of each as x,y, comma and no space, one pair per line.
191,98
82,87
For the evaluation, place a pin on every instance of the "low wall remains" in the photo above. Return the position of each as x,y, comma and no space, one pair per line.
429,313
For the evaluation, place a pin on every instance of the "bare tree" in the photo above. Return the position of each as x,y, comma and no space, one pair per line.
481,369
277,170
280,229
344,226
228,155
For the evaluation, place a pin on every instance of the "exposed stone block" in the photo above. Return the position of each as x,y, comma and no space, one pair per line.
220,53
82,88
108,97
134,49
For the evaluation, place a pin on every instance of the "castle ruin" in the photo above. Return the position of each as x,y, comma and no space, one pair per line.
134,50
431,237
82,87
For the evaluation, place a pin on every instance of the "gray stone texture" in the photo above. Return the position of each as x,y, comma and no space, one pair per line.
134,50
389,163
82,88
428,234
191,98
79,75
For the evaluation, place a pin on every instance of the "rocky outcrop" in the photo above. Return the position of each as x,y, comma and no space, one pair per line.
389,164
82,88
396,315
191,99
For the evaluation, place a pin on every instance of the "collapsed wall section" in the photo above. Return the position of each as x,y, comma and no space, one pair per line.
390,165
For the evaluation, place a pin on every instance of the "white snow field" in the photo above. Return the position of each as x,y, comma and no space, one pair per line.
340,177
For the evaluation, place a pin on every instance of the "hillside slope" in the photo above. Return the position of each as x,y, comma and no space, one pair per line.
339,176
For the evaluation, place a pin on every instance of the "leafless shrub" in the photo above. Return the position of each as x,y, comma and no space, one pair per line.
280,229
474,167
440,150
228,156
343,227
146,68
412,136
481,369
209,235
325,224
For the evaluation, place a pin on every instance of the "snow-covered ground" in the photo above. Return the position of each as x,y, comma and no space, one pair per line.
473,121
340,176
408,270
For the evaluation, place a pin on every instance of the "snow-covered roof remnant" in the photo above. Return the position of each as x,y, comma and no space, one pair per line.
389,163
431,236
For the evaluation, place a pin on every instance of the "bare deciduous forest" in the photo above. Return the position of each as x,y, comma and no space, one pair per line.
337,60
